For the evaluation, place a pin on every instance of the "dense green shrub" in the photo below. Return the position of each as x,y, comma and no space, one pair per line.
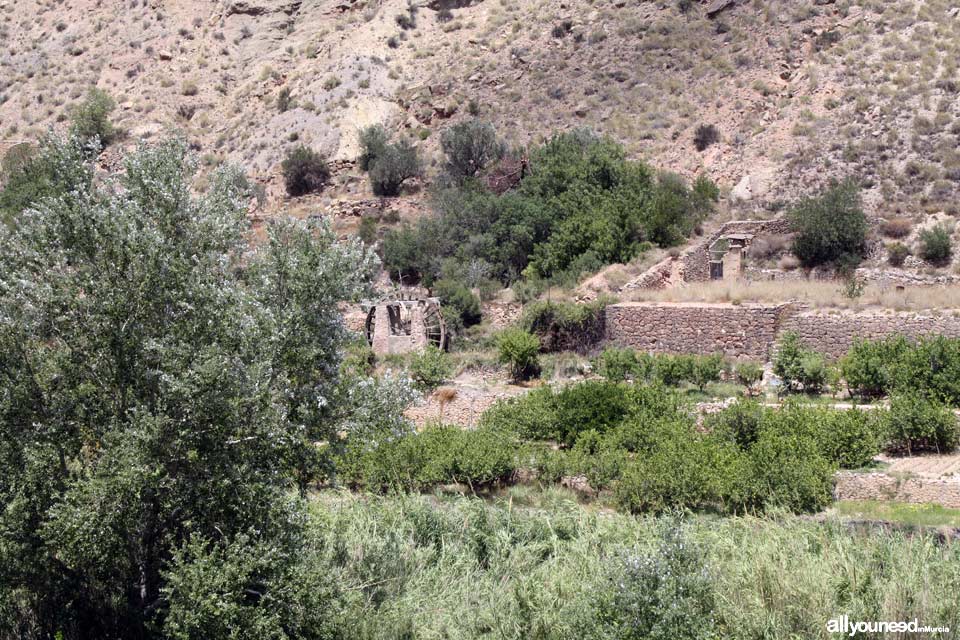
470,147
798,367
91,118
565,326
936,245
600,459
594,405
683,470
787,469
458,298
704,136
388,164
519,350
430,368
642,442
830,228
919,424
616,364
397,163
931,368
897,253
671,370
706,369
532,416
438,454
304,171
740,423
247,587
849,438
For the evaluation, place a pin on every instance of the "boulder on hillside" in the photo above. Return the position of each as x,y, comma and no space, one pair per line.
717,6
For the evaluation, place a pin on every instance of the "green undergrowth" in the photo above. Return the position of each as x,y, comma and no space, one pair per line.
535,564
919,515
640,445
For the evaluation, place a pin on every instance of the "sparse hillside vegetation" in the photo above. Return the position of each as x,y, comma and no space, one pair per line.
808,93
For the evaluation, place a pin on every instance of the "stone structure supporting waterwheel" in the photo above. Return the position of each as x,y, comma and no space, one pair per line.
402,326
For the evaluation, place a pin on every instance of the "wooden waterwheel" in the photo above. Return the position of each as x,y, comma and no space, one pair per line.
400,312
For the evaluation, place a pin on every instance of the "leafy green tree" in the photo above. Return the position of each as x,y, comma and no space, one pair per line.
869,366
470,147
161,388
52,169
748,374
917,423
797,366
250,588
581,204
520,350
373,141
91,118
616,364
930,369
706,369
830,228
389,164
459,299
788,468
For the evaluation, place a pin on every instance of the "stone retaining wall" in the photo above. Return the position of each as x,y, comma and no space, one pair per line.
750,331
880,486
746,331
833,332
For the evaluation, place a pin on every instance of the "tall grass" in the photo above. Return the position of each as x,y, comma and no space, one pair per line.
539,565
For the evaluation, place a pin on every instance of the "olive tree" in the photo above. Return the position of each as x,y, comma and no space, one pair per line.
161,390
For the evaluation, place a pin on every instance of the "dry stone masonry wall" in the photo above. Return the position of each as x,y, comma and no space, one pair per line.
833,332
737,331
750,331
880,486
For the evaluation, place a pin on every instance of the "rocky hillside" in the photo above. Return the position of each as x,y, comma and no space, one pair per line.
792,91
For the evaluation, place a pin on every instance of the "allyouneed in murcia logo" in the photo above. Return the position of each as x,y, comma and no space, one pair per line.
843,624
